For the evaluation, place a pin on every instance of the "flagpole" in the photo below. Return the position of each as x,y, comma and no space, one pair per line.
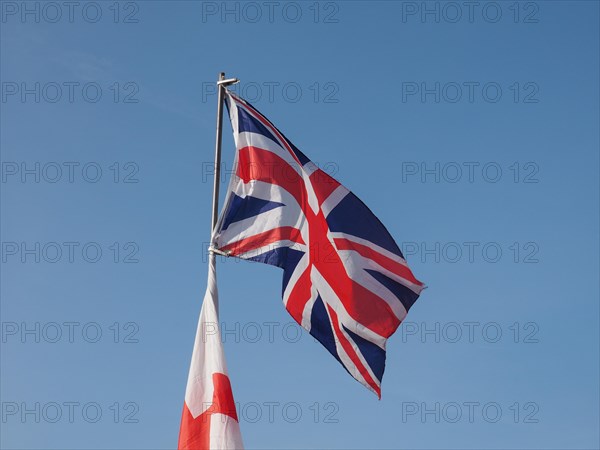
222,83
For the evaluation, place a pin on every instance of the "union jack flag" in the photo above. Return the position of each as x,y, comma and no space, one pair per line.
345,280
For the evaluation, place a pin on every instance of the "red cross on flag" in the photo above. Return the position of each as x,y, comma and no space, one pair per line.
209,419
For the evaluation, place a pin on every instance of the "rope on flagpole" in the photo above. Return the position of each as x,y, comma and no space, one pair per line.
219,252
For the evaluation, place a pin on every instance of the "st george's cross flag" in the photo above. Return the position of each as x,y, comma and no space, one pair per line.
209,419
345,280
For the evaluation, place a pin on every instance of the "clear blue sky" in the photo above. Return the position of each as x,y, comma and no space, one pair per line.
515,109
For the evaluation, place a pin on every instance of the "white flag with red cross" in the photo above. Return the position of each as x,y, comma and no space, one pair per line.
209,419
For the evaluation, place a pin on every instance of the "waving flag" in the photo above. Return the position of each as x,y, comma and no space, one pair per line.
209,419
344,278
